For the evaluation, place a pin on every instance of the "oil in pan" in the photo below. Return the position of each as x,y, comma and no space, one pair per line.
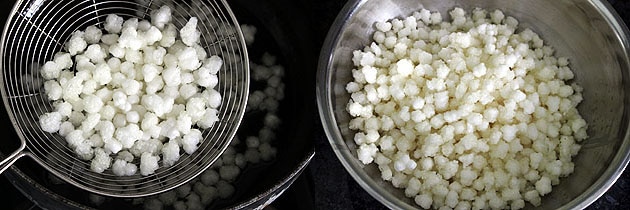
272,146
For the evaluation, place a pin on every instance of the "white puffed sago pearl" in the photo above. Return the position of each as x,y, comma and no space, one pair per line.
63,108
102,74
464,113
129,39
133,85
189,32
50,70
92,104
205,78
50,122
92,34
53,90
113,23
169,34
208,119
148,164
128,135
214,64
196,107
101,161
109,39
63,60
213,98
188,59
170,153
117,51
172,76
150,71
191,140
161,17
123,168
152,35
76,44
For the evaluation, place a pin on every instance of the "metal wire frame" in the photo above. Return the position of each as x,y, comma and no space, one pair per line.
37,29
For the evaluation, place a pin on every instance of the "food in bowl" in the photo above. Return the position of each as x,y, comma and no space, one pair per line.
142,90
471,113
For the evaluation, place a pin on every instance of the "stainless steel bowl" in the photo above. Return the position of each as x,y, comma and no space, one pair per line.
589,32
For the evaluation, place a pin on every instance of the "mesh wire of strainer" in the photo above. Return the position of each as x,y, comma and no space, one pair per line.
36,30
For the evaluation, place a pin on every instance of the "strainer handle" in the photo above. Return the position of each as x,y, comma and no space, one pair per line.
8,162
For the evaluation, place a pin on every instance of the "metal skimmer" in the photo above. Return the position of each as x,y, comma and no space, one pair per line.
37,29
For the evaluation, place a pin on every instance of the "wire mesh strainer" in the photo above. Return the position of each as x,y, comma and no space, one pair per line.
37,29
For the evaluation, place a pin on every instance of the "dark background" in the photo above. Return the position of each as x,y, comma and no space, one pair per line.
326,184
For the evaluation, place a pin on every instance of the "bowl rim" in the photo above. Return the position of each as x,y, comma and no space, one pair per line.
355,169
327,116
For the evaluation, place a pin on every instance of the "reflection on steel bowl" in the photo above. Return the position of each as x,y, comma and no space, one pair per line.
589,33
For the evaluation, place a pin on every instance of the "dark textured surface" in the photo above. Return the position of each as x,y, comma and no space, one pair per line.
334,188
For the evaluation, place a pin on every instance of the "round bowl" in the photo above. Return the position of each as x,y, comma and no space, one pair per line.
588,32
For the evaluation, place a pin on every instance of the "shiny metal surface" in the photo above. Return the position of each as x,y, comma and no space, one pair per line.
587,31
36,30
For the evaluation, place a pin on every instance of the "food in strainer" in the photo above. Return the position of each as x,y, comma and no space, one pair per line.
467,113
141,91
250,148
